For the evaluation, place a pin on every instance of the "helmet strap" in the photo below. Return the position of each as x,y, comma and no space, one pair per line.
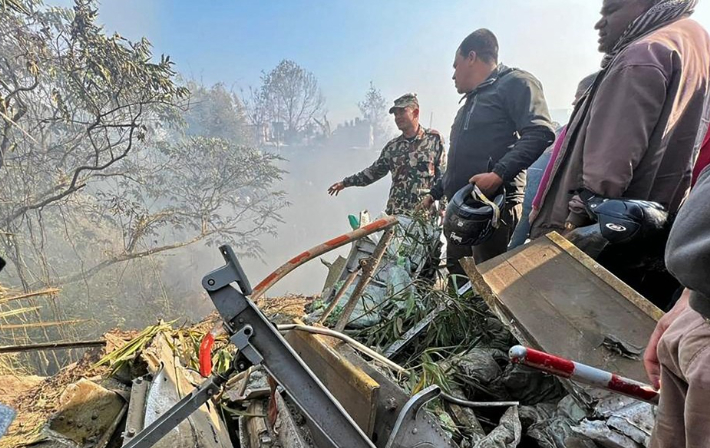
495,222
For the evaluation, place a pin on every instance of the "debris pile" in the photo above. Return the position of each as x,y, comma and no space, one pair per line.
87,402
40,400
457,340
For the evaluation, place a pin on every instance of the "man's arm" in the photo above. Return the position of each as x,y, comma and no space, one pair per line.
650,355
625,112
373,173
688,248
437,188
526,106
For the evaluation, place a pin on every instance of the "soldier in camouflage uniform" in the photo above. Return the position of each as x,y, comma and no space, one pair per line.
416,160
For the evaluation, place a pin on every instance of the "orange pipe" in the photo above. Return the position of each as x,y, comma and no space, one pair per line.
278,274
205,353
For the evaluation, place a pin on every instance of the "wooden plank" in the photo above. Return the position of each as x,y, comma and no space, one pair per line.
391,397
628,292
557,299
356,391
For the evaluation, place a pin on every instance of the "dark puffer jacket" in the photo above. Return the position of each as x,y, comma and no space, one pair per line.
504,126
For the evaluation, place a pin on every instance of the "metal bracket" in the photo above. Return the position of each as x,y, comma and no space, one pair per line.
259,342
229,273
414,428
241,341
136,408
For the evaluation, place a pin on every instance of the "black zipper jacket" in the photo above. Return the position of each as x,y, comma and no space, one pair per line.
504,126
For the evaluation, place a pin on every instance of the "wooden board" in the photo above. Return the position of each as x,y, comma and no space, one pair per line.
557,299
356,391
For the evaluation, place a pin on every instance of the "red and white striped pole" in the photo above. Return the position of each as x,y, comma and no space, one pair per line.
582,373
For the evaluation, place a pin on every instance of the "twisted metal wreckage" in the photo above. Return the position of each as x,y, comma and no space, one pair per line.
348,402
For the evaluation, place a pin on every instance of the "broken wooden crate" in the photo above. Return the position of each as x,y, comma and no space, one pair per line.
555,298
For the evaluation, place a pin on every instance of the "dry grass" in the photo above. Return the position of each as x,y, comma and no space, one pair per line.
18,311
286,308
30,325
10,364
14,386
39,402
4,298
22,321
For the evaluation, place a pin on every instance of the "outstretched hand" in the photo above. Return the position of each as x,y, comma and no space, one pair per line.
336,188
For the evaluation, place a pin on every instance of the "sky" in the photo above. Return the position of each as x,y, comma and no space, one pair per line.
400,45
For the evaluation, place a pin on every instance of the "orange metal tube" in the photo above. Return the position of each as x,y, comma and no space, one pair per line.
278,274
205,353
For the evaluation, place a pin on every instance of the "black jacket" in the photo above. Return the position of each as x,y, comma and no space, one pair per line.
504,126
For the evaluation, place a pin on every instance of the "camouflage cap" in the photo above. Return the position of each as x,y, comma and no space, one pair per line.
406,100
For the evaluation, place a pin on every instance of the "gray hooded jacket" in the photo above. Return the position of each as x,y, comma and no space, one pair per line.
688,250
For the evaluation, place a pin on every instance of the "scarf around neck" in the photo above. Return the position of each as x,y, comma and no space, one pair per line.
663,13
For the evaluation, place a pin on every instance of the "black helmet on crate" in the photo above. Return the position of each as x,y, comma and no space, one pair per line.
471,218
626,220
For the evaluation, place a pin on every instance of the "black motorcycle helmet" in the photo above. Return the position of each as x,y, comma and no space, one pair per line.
625,220
471,218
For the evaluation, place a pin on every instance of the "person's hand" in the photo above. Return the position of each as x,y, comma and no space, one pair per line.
650,357
488,183
336,188
426,203
569,227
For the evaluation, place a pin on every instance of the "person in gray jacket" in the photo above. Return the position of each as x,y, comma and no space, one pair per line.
637,131
502,128
677,357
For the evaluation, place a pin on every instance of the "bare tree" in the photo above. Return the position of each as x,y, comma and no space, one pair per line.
109,162
198,189
374,110
289,95
74,103
257,112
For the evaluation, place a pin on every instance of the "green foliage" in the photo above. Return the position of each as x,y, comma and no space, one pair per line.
216,112
185,343
15,5
127,353
109,161
74,102
455,328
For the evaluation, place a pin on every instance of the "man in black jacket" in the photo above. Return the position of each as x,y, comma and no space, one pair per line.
502,128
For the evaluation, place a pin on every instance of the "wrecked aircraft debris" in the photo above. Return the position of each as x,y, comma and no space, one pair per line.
379,402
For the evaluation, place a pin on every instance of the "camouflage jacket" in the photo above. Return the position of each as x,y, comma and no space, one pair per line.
415,166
